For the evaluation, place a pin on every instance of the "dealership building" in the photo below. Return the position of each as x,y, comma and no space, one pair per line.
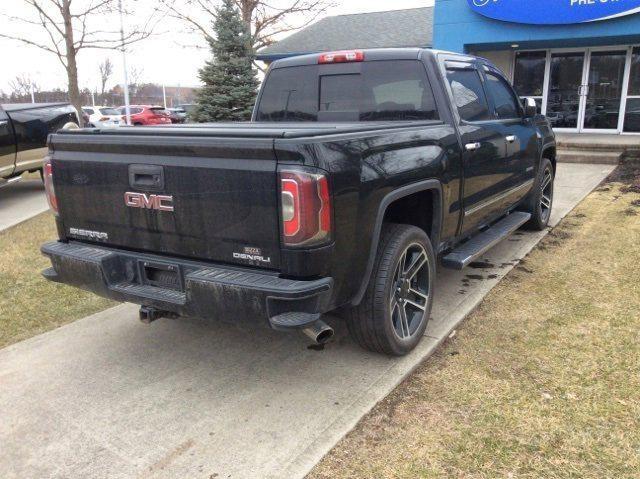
580,59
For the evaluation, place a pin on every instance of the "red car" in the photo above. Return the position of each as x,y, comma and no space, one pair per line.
147,115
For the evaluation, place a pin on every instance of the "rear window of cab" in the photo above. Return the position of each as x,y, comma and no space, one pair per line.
386,90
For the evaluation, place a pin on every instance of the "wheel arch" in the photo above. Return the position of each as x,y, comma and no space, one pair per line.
549,152
435,187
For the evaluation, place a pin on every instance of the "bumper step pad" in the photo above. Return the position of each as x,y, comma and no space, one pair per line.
230,293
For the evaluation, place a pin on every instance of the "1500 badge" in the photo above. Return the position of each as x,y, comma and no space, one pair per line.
252,254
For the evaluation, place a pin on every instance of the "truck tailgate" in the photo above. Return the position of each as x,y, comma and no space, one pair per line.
206,198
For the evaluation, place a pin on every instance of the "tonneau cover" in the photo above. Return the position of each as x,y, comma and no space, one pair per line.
249,129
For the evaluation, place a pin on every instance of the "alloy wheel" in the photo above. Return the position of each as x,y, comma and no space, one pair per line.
410,291
546,196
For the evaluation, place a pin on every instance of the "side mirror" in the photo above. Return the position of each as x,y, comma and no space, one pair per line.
530,107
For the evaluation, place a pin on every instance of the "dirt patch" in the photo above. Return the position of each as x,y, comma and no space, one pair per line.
627,173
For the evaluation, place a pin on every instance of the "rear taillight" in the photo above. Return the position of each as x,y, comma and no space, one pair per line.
346,56
305,208
48,185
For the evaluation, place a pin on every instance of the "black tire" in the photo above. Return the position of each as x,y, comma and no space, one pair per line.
540,200
41,170
374,324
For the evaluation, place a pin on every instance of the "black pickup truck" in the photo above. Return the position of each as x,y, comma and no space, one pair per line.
24,129
359,172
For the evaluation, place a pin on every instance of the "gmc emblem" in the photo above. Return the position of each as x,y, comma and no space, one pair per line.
148,202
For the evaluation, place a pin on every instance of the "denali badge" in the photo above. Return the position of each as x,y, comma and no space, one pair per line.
94,235
252,254
149,202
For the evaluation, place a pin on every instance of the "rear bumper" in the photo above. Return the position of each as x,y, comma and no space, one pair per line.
199,289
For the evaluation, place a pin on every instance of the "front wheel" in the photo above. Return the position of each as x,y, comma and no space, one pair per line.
395,310
540,201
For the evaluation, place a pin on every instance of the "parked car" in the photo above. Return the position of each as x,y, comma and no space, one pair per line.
177,115
187,107
147,115
23,134
103,116
360,171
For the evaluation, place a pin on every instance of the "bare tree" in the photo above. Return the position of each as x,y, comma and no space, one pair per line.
106,70
68,29
135,80
265,19
22,85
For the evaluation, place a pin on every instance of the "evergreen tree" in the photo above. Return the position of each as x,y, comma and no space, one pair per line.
230,82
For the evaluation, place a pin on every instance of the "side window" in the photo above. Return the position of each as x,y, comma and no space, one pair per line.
504,100
468,94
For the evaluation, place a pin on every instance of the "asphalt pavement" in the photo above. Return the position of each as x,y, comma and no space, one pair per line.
109,397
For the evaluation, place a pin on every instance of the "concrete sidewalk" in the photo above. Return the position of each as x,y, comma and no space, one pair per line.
107,396
21,201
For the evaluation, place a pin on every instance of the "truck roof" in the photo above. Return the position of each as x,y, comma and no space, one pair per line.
371,54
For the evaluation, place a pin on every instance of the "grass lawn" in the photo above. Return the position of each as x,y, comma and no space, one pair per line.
541,381
29,304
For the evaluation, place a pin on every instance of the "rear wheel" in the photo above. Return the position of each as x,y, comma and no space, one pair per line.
540,201
394,312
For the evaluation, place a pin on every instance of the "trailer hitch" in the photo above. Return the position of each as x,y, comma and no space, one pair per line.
149,314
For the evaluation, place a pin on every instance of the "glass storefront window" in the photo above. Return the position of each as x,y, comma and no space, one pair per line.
632,112
563,100
528,78
634,79
604,93
632,116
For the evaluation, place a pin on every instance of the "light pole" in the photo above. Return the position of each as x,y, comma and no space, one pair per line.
127,108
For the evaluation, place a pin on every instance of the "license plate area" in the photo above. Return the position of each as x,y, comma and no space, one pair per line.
161,275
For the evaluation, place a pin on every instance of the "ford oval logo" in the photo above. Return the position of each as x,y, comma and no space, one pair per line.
554,12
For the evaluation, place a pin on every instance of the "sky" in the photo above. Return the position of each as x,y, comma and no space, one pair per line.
170,57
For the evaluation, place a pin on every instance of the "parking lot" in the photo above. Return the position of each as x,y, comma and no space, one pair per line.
109,396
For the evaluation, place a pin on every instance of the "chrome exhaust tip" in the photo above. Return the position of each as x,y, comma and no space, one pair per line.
319,332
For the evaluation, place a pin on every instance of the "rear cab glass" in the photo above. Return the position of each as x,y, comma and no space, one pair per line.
384,90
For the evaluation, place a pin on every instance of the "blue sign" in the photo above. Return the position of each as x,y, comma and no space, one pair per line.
554,12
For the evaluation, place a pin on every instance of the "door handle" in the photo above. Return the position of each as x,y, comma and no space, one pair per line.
146,177
472,146
510,138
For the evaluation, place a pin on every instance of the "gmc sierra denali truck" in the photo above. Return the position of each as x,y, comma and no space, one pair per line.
360,171
24,129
